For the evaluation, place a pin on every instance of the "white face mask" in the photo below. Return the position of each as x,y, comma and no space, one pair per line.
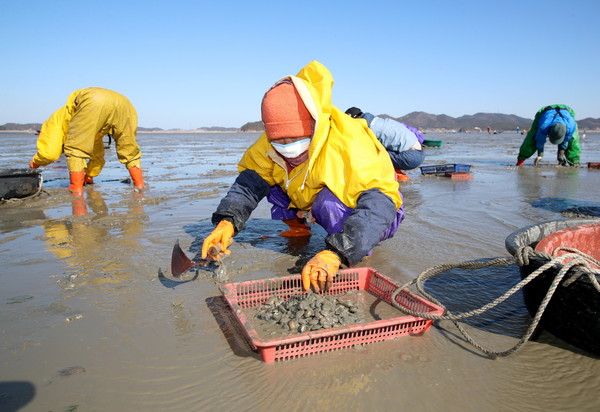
292,150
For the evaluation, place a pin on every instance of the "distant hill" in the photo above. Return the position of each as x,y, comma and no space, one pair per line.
421,120
199,130
219,129
495,121
253,127
478,121
26,127
21,126
589,124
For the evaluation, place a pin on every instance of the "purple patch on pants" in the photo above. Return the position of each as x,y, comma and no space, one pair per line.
280,202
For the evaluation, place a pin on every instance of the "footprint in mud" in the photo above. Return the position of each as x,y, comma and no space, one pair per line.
66,372
406,357
19,299
70,371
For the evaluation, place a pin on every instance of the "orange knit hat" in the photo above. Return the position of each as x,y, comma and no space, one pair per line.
284,113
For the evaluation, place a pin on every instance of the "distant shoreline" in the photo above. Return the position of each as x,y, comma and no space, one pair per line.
154,131
432,131
424,122
196,131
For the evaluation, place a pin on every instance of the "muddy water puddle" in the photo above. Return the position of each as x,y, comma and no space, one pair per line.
82,292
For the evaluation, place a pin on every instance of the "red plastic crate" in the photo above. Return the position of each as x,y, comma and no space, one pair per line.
459,176
441,170
248,294
594,165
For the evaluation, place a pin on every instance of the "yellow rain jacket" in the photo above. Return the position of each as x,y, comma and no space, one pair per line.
78,127
344,154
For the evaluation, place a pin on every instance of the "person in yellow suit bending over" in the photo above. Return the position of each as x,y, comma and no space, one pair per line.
77,129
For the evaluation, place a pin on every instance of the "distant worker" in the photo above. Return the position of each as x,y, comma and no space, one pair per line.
77,129
402,142
557,124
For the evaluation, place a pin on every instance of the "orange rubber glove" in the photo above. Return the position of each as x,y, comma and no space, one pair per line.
320,271
520,162
33,165
222,236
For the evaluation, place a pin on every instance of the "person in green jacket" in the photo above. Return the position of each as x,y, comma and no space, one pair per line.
557,124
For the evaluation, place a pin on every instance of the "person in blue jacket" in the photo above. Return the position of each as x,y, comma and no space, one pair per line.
403,143
555,123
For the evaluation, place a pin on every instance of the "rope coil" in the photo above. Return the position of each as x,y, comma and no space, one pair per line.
522,257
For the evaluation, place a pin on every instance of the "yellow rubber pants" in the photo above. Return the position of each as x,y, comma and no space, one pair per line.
99,112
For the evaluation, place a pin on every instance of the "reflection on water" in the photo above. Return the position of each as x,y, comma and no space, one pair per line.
470,289
562,205
87,284
96,248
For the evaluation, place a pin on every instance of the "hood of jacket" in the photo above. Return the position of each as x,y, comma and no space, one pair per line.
344,155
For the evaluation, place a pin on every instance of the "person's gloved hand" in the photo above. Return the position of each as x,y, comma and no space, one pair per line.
520,162
354,112
538,159
320,271
562,160
33,165
221,235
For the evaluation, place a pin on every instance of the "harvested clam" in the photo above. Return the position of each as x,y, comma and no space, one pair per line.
307,312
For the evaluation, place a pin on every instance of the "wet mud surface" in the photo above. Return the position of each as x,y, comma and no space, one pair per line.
91,318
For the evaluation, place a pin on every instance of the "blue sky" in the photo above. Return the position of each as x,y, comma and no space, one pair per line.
191,64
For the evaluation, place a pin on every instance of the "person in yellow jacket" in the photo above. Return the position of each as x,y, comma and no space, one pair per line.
77,129
314,158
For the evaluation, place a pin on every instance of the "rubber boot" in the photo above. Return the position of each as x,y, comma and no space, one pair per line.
77,179
298,227
137,177
401,176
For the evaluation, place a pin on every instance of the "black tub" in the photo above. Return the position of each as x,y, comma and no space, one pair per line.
19,183
573,313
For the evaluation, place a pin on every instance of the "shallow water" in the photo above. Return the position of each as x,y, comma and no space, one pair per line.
92,294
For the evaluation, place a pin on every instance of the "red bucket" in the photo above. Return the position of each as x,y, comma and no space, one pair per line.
585,238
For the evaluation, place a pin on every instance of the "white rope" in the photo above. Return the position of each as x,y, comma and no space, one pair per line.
522,255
